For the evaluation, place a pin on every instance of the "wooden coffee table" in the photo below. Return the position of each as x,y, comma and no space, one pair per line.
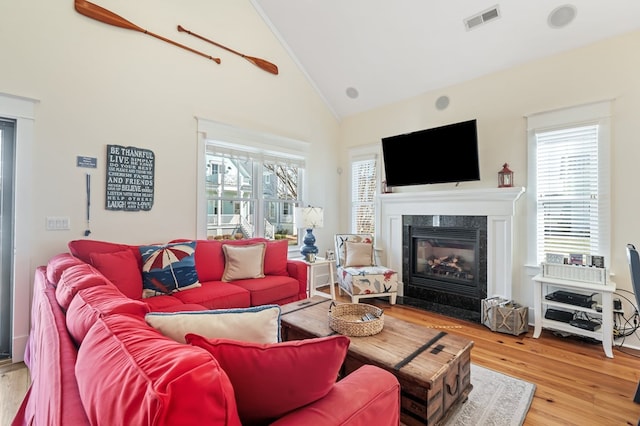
432,366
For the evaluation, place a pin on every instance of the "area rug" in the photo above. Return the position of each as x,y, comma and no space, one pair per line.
496,399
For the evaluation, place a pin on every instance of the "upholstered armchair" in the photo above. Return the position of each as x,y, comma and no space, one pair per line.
358,274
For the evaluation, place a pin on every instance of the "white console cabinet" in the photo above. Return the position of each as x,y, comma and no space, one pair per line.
603,293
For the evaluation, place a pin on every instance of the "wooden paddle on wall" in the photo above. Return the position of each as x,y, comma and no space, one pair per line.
101,14
261,63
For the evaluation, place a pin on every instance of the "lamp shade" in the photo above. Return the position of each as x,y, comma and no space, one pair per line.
311,217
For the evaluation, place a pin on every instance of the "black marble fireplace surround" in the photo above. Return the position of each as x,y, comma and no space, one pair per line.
456,287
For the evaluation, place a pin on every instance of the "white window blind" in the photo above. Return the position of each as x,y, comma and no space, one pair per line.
567,181
363,189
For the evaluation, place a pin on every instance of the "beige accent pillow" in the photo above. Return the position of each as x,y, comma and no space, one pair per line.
243,262
259,324
358,254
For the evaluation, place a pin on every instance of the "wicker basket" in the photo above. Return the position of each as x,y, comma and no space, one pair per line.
347,319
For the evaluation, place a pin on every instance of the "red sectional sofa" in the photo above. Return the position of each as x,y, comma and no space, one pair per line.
284,280
93,359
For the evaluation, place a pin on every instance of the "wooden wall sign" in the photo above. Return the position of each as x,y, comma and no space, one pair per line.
130,178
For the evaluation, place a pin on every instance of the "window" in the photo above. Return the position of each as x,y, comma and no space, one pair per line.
570,172
250,188
364,182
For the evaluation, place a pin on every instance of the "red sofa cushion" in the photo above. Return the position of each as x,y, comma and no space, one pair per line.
122,269
210,257
167,383
272,379
76,278
275,258
57,265
214,295
270,289
83,249
91,303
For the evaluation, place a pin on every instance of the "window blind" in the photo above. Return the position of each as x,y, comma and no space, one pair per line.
567,176
363,188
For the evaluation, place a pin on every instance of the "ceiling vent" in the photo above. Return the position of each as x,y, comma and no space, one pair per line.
482,18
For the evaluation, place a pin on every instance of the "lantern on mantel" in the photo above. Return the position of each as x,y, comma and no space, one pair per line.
505,177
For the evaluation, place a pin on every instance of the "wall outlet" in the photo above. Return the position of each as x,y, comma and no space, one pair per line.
58,223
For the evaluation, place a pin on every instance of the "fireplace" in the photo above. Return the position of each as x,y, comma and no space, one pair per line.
445,263
496,208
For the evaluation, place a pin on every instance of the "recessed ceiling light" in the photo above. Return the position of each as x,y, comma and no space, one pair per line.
562,16
352,92
442,102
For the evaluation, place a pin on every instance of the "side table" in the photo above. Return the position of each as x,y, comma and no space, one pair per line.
320,273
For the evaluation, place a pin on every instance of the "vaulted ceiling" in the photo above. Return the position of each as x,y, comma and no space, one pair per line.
362,54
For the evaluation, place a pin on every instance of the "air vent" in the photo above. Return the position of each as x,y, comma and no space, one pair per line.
482,18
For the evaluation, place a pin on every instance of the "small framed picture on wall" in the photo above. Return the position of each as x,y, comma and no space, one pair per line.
330,255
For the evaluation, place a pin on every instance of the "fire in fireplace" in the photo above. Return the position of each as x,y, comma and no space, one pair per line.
445,258
445,265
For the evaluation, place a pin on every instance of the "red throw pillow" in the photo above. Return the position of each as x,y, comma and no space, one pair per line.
275,258
271,379
83,249
121,268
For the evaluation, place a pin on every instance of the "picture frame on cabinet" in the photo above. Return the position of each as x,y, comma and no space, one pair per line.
330,255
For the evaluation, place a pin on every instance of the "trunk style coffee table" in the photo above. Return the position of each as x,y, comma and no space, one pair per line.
432,366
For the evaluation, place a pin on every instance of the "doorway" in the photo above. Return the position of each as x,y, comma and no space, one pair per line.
7,166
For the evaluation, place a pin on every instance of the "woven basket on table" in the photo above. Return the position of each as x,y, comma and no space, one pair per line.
346,319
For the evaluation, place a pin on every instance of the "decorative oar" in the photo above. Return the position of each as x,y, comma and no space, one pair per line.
265,65
103,15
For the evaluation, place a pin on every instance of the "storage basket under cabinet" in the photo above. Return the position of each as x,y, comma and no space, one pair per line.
505,316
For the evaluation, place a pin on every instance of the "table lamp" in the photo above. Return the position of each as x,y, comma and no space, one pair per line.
310,218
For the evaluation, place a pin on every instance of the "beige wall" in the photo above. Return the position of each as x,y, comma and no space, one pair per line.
97,84
500,101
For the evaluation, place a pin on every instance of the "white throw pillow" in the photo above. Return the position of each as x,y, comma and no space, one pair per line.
243,262
259,324
358,254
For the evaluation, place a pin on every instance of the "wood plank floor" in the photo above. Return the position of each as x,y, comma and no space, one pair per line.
576,384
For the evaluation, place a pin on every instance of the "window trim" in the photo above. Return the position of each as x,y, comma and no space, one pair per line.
591,113
228,136
365,152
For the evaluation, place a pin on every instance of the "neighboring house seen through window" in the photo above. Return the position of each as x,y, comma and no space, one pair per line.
251,195
250,188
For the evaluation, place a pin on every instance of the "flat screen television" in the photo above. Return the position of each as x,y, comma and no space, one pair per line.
438,155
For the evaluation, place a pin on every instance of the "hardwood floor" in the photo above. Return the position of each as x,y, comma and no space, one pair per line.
576,384
14,382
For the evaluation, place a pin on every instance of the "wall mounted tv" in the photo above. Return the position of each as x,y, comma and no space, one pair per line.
437,155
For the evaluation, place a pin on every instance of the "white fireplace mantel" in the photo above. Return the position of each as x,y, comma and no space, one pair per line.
497,204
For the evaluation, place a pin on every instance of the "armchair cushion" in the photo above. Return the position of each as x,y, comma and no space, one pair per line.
270,380
358,254
341,245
